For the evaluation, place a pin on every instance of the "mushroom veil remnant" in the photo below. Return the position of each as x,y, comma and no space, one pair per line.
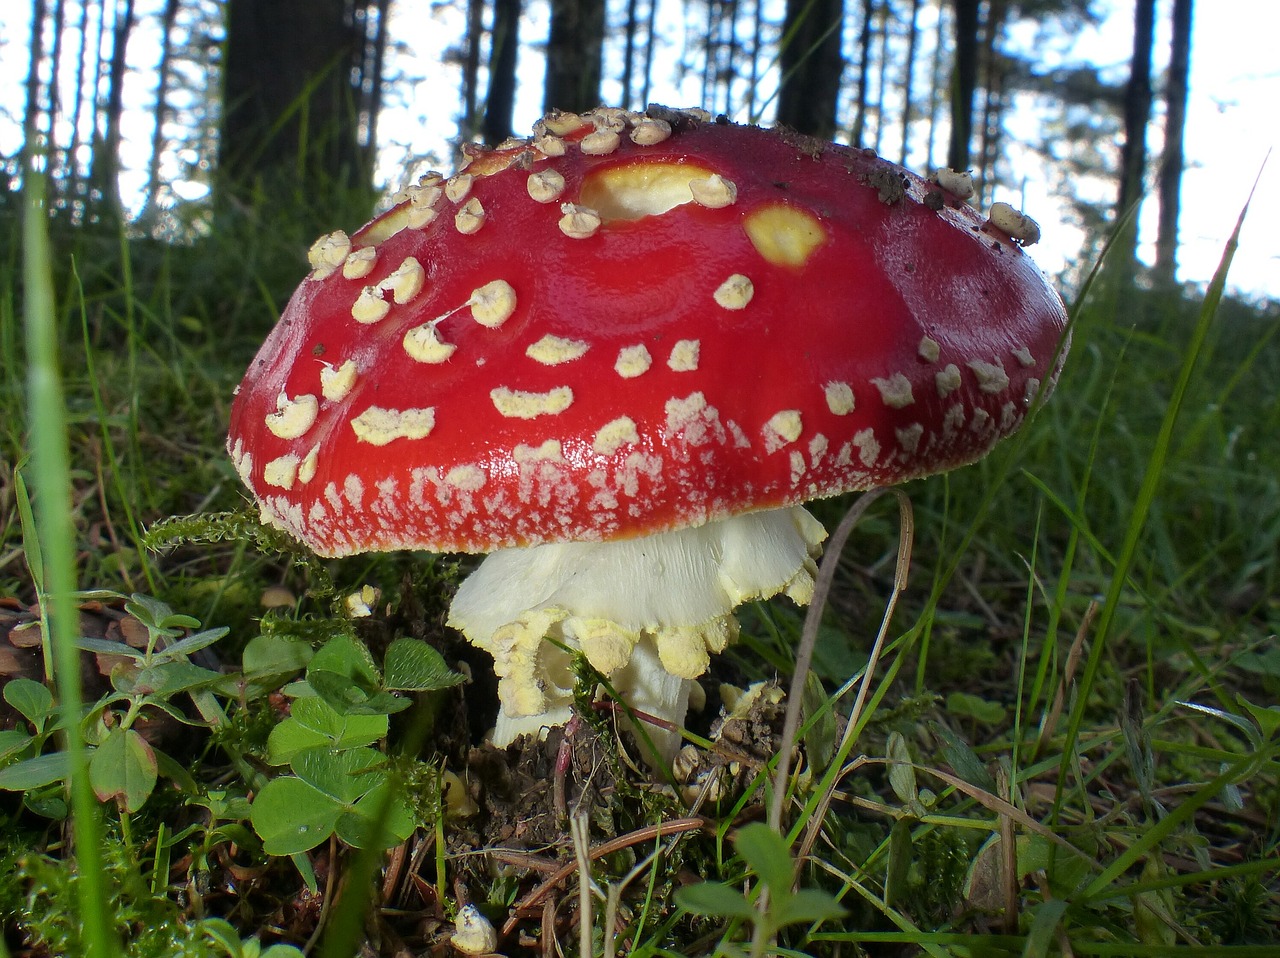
617,358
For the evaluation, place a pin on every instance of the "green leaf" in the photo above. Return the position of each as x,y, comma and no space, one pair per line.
820,740
713,899
411,665
169,678
899,865
806,905
975,707
314,723
193,643
223,934
107,647
902,773
963,759
292,816
31,698
1268,718
13,741
123,768
351,695
766,852
175,772
158,616
270,659
348,657
380,819
35,772
343,776
31,548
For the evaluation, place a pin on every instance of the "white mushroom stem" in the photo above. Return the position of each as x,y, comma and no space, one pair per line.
646,612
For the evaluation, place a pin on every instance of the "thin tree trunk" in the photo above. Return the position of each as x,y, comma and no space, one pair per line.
757,41
150,208
732,50
993,97
936,74
1137,107
908,87
74,184
31,113
1171,160
574,55
882,74
629,52
471,70
651,26
106,167
373,89
811,61
500,104
964,83
708,71
58,160
858,132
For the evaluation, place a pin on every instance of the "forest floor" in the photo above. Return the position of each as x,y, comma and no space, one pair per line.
1067,741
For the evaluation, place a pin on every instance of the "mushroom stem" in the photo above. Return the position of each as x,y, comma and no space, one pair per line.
646,612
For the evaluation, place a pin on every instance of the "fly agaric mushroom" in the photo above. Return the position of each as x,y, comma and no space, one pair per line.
617,358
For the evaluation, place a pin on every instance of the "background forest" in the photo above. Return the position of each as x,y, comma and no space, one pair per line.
1067,739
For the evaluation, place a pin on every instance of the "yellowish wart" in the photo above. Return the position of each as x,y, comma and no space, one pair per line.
517,404
554,350
784,235
378,426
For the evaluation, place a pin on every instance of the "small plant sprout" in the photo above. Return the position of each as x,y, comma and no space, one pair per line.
771,903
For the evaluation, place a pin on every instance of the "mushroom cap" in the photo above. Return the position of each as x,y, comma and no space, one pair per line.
631,324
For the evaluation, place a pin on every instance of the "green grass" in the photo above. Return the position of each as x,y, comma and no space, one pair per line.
1069,738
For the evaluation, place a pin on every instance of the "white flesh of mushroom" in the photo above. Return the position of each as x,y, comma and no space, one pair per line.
646,612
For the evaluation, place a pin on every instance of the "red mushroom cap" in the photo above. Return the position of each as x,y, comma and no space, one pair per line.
631,324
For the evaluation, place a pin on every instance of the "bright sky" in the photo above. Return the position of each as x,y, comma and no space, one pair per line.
1235,86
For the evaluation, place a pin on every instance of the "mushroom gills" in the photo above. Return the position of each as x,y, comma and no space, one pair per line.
646,612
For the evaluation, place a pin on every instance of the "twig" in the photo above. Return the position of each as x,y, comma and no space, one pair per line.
648,833
812,622
906,538
580,830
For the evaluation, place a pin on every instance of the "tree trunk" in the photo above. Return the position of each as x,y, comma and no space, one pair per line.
908,76
372,87
757,42
106,162
858,132
31,113
150,207
74,187
964,83
500,104
993,68
651,27
1171,160
629,52
1137,108
937,74
811,61
470,124
59,163
574,51
882,74
291,127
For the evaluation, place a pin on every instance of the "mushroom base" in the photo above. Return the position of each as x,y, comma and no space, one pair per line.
645,612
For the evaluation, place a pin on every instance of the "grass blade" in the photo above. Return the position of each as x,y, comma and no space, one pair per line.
51,483
1146,497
